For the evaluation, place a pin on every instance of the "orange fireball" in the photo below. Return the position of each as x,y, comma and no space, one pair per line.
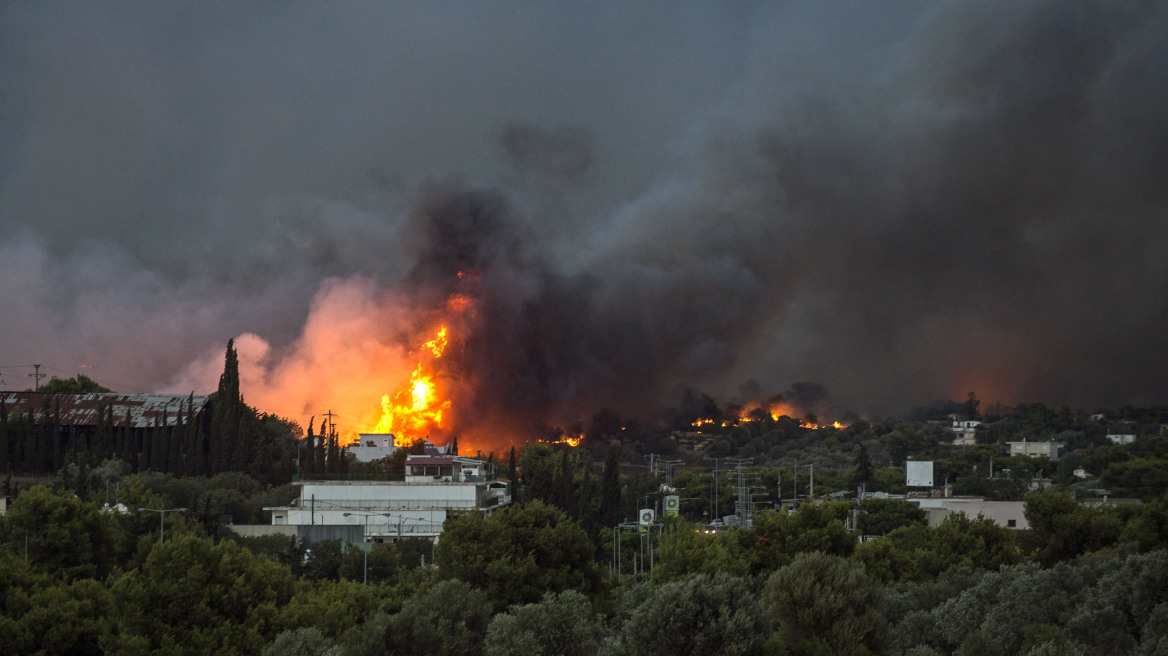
414,411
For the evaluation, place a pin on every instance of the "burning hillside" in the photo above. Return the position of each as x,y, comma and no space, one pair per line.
480,340
483,340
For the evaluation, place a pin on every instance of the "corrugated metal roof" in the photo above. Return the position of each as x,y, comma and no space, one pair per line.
81,409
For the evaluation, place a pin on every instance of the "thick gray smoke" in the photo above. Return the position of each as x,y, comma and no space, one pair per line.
900,204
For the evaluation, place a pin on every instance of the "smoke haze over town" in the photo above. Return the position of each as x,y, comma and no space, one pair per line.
900,203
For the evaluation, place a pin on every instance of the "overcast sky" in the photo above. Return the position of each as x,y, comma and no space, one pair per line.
900,201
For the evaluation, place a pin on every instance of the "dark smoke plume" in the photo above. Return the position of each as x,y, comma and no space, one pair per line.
900,204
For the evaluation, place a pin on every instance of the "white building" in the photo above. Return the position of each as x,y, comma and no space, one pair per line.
385,511
1035,449
375,446
1008,514
965,432
1121,439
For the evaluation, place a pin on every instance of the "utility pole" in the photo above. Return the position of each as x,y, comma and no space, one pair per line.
332,429
715,495
779,489
162,519
714,509
669,465
795,486
36,375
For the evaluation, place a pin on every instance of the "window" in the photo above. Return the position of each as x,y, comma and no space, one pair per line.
1012,523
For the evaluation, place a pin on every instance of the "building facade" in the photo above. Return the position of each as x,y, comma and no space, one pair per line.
434,488
1035,449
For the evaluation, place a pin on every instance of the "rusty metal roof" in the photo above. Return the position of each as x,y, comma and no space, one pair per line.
144,410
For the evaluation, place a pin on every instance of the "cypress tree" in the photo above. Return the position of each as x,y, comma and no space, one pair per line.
21,434
226,413
322,448
309,450
174,461
512,476
40,449
130,442
196,450
55,436
5,454
862,469
111,446
148,449
334,459
243,445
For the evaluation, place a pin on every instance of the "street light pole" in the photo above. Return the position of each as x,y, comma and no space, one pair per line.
365,538
162,519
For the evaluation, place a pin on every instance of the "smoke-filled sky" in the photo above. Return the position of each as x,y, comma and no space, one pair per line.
901,202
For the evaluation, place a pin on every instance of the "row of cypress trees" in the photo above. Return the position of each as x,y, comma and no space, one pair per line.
224,435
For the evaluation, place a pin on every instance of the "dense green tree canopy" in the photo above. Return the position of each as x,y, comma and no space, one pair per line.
79,384
561,624
449,619
192,596
518,553
825,604
699,614
60,533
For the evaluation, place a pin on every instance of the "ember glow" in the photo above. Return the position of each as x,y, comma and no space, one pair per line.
571,440
815,426
760,411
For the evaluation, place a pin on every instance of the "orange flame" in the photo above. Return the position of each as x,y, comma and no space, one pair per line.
414,411
814,426
438,344
736,416
572,441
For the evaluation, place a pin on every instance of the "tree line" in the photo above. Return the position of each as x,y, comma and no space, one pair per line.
529,579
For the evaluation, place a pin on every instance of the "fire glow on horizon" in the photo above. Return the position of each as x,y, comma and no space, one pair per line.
757,411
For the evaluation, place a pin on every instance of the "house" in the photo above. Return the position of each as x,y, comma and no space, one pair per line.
451,469
368,447
373,446
434,488
966,432
1035,449
1121,439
